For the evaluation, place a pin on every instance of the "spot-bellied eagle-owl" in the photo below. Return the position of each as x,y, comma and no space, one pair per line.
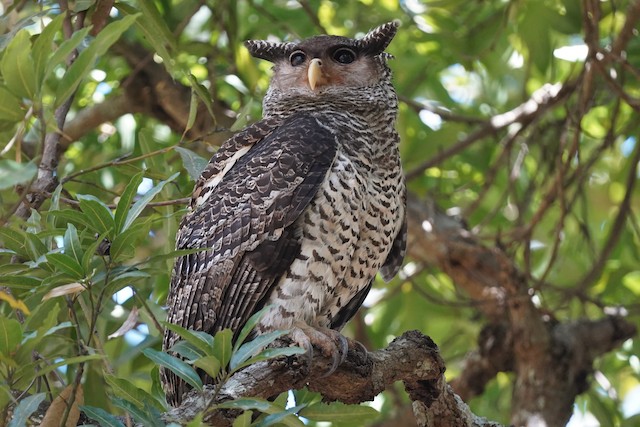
300,210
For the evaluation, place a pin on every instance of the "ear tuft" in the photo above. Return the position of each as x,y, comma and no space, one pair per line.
377,40
270,51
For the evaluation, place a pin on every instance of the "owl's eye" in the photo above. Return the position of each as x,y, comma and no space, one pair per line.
344,56
297,58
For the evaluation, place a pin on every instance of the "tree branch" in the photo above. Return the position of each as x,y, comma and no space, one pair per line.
540,101
551,360
46,179
412,358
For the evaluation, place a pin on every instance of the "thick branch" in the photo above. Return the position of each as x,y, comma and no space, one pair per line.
412,358
90,118
551,361
152,91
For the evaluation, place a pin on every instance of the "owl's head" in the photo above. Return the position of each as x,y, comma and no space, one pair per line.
324,63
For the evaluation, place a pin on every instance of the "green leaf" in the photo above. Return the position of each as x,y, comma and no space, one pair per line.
10,335
286,417
66,362
112,32
632,282
193,110
175,365
125,390
98,214
209,364
82,5
139,205
17,66
252,347
72,245
20,282
102,417
74,75
43,46
339,412
197,421
199,341
34,225
265,406
37,334
204,337
126,199
66,264
43,318
187,351
70,215
248,327
35,247
156,387
90,252
193,163
11,110
148,145
148,415
124,244
222,347
64,50
85,61
25,408
203,93
306,397
243,117
154,29
14,240
119,279
13,173
243,420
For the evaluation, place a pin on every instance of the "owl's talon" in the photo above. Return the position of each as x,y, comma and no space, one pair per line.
330,343
360,348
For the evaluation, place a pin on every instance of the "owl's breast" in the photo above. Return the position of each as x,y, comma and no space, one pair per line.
346,233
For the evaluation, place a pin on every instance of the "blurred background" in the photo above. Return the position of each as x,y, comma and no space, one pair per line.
518,121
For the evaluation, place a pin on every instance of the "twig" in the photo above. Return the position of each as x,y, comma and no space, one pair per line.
116,163
46,180
540,101
630,26
630,100
443,113
313,16
181,201
144,304
618,225
100,15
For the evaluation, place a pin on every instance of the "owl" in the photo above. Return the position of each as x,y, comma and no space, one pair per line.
299,211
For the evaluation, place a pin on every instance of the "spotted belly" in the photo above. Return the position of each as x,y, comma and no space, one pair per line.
346,235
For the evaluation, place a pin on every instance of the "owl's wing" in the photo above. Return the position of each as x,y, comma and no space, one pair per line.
242,211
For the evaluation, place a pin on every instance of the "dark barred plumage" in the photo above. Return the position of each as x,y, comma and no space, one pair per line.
301,209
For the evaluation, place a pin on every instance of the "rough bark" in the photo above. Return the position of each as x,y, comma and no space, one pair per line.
551,360
411,358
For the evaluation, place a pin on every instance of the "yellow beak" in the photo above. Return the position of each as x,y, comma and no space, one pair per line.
314,72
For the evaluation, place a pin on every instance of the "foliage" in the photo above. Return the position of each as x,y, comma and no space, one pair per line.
84,276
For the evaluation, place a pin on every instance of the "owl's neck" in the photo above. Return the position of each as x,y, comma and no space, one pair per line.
371,104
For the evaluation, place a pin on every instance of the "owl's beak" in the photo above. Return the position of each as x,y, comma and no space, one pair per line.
314,72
